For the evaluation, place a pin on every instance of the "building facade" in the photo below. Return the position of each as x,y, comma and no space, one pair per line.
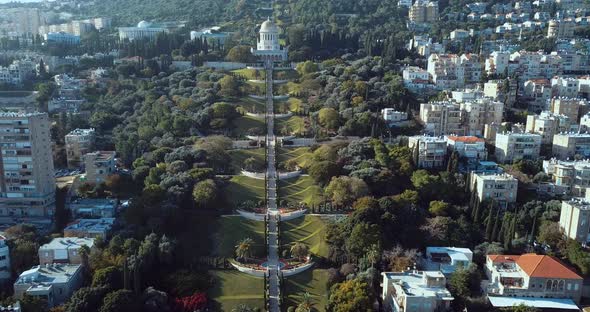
99,166
415,291
574,219
499,188
78,143
571,145
53,282
511,146
547,125
64,250
568,177
143,30
268,46
429,152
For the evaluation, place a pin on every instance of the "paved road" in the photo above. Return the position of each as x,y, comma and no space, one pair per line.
273,213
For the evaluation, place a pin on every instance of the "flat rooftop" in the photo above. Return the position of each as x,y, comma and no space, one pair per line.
48,274
68,243
413,284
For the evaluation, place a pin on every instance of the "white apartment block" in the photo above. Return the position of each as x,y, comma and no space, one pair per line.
570,107
565,87
511,147
561,29
424,46
450,71
99,166
467,118
525,65
499,188
431,153
470,147
55,283
28,185
5,272
574,219
17,72
568,177
390,115
537,92
78,143
64,250
547,125
416,79
571,145
28,21
144,30
499,90
446,259
415,291
585,123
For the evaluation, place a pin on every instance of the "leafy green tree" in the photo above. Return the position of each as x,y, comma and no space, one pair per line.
205,192
33,304
230,86
86,299
328,118
299,250
121,300
350,296
464,283
306,303
344,190
439,208
322,171
363,238
109,277
240,54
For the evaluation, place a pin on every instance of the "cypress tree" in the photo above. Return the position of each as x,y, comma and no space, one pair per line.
497,223
490,222
477,214
125,274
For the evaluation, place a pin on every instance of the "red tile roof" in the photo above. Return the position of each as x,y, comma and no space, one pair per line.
538,265
465,139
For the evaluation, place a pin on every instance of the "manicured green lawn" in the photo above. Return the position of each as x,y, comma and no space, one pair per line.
231,229
300,189
250,73
314,282
250,105
293,104
238,157
310,230
294,125
244,123
232,288
242,188
301,154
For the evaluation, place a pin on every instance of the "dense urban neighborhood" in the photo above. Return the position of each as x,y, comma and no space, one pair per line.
294,155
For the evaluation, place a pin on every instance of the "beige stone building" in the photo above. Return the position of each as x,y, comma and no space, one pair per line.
574,219
99,165
570,107
429,152
64,250
27,184
78,143
571,145
53,282
547,125
500,188
511,146
424,12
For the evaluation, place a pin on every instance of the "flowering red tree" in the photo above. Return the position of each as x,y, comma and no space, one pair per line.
191,303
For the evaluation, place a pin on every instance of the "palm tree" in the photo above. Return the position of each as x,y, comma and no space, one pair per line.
244,248
299,250
373,255
305,304
242,308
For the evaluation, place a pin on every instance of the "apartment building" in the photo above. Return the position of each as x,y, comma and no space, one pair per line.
143,30
5,272
481,112
537,92
417,79
501,90
99,165
391,116
574,219
442,118
568,177
497,63
431,151
571,145
547,124
64,250
28,21
423,12
53,282
500,188
94,207
17,72
450,71
415,291
565,87
524,65
78,143
27,186
447,260
511,147
90,228
570,107
528,278
561,29
470,147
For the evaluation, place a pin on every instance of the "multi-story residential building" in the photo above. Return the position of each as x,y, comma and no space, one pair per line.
568,177
415,291
466,95
565,87
442,118
497,63
28,21
431,153
94,208
27,185
499,188
571,145
17,72
585,123
573,61
511,146
574,219
417,79
144,30
501,90
466,118
61,38
53,282
537,93
446,259
5,272
391,116
470,147
459,34
423,12
89,228
64,250
547,125
452,71
78,143
524,65
570,107
99,165
561,29
528,278
424,46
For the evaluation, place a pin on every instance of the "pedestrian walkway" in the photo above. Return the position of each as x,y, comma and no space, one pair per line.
271,200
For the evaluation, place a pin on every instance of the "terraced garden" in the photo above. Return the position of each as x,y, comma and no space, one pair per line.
310,230
232,288
301,190
232,229
300,154
242,188
239,156
245,124
313,282
294,125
